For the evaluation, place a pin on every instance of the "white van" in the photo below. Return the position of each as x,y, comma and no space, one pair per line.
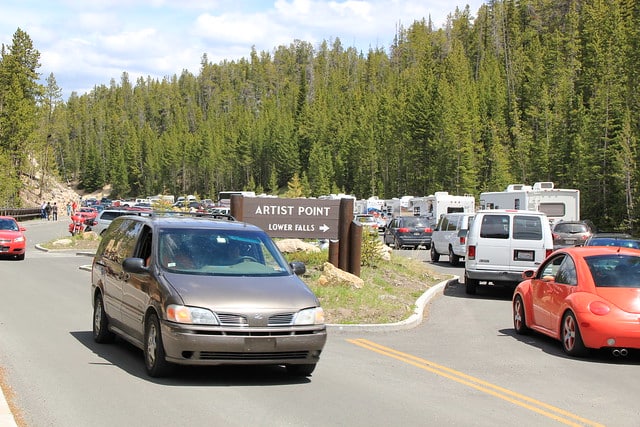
450,237
501,244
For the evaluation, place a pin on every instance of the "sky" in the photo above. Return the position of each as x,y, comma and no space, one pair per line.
88,43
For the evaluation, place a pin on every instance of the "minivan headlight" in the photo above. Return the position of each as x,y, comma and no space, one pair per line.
309,316
191,315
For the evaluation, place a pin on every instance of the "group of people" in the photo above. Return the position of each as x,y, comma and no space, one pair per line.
50,211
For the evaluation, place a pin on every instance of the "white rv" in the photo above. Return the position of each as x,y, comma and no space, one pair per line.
560,204
440,203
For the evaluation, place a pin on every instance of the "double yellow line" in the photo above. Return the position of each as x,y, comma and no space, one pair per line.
534,405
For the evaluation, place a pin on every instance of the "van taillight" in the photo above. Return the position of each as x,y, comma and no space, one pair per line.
471,252
548,252
463,240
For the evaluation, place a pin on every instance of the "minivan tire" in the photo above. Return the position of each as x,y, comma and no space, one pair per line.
101,332
154,355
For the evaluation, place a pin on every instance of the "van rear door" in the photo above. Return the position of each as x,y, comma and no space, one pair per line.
494,253
528,242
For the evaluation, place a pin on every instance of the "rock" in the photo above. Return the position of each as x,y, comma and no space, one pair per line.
295,245
333,275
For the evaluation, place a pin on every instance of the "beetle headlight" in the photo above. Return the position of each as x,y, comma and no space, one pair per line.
309,316
191,315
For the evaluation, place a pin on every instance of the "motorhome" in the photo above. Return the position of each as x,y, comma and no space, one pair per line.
441,202
560,204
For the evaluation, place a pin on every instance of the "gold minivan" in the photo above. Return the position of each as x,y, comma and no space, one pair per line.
200,291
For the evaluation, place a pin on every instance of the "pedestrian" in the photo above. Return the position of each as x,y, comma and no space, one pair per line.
54,211
43,210
47,210
74,207
68,208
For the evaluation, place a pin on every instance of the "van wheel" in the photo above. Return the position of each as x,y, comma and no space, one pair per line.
453,258
101,332
154,356
470,285
435,256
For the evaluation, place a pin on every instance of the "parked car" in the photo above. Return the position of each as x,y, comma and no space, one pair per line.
367,220
502,243
13,242
586,297
613,239
450,237
197,291
105,217
570,233
412,231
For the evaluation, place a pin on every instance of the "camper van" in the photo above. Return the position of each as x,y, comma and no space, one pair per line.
558,204
441,203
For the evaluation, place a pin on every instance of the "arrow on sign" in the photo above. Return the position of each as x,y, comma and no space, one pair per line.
324,228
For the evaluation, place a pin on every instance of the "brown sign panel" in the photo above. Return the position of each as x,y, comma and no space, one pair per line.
293,218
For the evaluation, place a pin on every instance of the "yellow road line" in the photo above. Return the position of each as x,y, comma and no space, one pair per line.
534,405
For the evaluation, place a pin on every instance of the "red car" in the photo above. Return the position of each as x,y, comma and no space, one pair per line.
12,240
586,297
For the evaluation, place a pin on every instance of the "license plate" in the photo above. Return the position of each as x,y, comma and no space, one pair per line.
259,344
416,233
570,241
519,255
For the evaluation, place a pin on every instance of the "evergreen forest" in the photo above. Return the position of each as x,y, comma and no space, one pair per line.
519,91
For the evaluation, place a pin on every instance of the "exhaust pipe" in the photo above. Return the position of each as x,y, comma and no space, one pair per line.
622,352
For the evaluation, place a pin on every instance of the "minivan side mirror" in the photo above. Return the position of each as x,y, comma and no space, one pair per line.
298,267
134,265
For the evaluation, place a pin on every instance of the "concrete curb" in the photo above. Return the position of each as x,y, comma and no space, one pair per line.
414,320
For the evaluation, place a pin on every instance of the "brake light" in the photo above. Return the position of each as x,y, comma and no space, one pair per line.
463,240
471,252
548,252
599,308
428,230
403,230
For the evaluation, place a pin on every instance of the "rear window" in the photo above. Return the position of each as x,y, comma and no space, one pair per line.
571,228
527,227
495,227
620,271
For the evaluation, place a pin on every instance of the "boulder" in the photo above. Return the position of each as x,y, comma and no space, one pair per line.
332,275
295,245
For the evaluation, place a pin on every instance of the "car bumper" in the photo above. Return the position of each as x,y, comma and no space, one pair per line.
413,241
597,333
494,276
246,346
11,249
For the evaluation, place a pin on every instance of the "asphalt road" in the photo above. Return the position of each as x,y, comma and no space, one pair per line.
461,366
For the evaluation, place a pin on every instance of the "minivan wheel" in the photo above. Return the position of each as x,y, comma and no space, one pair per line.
154,355
453,258
301,370
471,285
396,243
435,256
101,332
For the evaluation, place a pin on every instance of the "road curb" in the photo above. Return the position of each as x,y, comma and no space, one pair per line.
411,322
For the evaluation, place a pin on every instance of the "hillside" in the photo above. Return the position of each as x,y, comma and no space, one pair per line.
54,191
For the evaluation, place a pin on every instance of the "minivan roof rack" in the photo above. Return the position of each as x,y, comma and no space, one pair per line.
167,213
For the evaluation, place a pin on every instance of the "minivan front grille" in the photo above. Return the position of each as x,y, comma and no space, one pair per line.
219,355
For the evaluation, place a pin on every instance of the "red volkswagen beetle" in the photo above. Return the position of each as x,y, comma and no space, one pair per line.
586,297
13,243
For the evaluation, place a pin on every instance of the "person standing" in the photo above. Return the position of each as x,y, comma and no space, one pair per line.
43,210
54,211
47,210
68,208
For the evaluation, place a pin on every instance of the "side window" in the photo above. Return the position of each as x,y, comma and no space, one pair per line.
567,272
552,267
453,223
495,227
126,240
144,247
444,223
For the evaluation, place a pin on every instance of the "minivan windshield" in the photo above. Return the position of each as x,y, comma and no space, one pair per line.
220,252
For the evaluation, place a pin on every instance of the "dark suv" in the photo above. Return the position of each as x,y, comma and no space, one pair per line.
413,231
200,291
570,233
